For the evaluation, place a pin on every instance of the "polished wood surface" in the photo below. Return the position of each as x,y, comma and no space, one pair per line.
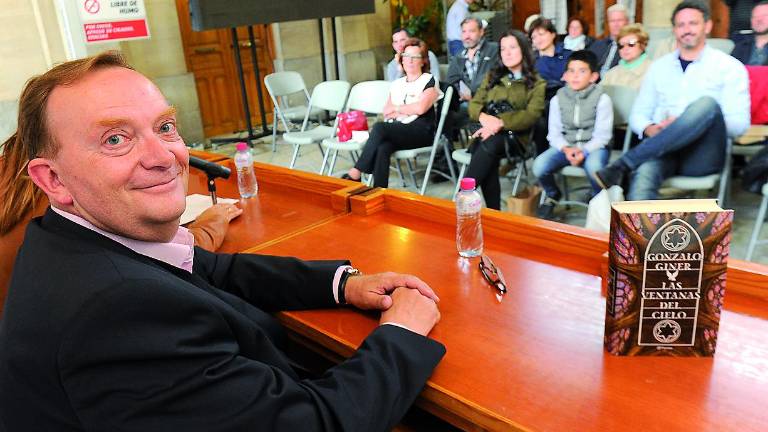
288,201
534,359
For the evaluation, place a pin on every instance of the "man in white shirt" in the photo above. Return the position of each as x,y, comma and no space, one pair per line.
457,13
394,70
690,101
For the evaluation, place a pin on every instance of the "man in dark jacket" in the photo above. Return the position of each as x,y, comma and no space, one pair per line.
114,321
752,49
607,50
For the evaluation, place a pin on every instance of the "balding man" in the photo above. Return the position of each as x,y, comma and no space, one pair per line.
607,50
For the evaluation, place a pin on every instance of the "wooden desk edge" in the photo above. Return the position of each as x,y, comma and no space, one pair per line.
449,406
743,277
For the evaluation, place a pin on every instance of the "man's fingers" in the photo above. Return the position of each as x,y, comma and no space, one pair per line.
415,283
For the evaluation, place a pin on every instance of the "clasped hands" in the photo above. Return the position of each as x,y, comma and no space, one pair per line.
403,299
654,129
490,126
574,155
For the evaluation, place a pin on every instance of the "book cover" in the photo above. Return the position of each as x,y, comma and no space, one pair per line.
666,279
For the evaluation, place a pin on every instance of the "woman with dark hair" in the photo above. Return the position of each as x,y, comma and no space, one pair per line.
409,116
577,38
550,56
510,99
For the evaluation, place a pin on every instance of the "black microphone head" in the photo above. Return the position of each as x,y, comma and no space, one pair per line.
211,169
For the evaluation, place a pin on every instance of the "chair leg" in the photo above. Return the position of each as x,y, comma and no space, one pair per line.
400,172
518,177
295,155
333,162
458,181
325,160
756,230
410,171
274,130
448,158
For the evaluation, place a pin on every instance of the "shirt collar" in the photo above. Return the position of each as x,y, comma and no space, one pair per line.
179,252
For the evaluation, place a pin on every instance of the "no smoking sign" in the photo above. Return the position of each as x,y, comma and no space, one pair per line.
92,6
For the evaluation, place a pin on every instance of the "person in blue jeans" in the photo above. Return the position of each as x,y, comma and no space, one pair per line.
690,102
580,128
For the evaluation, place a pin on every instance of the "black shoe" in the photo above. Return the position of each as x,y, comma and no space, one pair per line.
547,209
611,175
348,177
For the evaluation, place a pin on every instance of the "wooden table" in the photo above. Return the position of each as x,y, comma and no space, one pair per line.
288,201
534,359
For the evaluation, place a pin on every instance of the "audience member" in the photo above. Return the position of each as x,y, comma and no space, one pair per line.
468,68
400,37
752,49
115,322
550,57
580,128
607,50
688,102
409,116
510,99
457,13
577,37
634,61
739,14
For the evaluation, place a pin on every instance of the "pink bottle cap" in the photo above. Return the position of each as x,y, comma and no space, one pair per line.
241,146
467,183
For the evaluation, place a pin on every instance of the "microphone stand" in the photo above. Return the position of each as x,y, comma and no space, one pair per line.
212,187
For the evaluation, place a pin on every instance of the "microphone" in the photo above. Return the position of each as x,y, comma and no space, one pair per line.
211,169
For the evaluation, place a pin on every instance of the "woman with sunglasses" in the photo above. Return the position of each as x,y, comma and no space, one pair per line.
513,84
409,116
634,61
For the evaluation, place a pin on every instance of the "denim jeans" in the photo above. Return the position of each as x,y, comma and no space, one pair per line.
692,145
553,160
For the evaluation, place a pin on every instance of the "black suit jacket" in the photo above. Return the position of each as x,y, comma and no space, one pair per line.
457,70
97,337
601,48
742,47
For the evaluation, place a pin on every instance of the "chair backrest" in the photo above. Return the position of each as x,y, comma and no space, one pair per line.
284,83
622,98
724,45
369,96
330,95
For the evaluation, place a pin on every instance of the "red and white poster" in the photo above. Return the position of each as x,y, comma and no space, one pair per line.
113,20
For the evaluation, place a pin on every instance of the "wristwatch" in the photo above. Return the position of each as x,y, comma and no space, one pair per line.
348,272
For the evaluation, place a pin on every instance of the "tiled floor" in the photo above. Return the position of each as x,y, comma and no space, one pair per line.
745,204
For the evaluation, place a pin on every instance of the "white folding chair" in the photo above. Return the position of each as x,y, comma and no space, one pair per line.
328,95
280,86
759,220
622,99
708,182
724,45
432,150
367,96
463,157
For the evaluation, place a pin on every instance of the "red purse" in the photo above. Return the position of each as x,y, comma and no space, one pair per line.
350,121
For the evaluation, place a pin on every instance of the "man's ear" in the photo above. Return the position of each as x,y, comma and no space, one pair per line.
594,77
43,173
708,27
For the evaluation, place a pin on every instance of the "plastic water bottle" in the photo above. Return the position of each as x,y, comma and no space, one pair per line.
469,232
246,178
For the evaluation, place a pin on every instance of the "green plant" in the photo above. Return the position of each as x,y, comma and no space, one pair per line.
418,25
